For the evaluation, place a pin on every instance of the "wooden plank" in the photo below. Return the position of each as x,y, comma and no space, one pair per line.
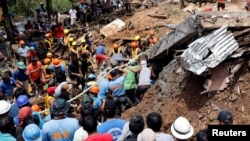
158,16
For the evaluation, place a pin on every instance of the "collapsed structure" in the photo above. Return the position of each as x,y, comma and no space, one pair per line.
211,44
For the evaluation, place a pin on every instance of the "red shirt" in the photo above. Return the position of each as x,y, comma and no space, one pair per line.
59,32
100,137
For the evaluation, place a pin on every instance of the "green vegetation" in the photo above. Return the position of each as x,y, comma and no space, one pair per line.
26,8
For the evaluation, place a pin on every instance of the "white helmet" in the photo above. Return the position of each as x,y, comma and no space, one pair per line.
5,107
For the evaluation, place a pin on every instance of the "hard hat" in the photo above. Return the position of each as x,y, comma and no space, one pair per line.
133,44
32,132
91,76
94,90
151,32
46,61
49,54
32,48
115,46
74,43
56,62
24,112
155,40
71,39
21,42
22,100
109,76
137,37
5,107
83,41
65,31
35,108
47,35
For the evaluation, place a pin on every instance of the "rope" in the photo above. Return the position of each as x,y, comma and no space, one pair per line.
86,90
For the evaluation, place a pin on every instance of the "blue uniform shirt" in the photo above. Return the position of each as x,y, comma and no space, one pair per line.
117,86
103,85
7,88
21,76
100,49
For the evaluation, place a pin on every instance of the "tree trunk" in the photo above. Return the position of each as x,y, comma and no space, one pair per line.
7,21
49,8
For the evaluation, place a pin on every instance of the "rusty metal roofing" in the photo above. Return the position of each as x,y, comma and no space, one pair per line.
209,51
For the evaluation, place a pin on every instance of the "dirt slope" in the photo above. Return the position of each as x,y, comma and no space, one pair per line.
177,93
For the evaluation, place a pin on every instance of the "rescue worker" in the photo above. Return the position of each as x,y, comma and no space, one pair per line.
83,48
115,50
59,71
73,50
75,72
66,39
91,80
140,43
48,75
96,102
51,39
100,54
133,51
70,42
49,99
151,40
48,43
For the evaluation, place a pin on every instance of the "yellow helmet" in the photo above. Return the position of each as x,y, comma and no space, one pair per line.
74,43
65,31
83,41
49,54
71,39
137,37
46,61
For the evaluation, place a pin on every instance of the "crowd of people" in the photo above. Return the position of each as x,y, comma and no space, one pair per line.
29,126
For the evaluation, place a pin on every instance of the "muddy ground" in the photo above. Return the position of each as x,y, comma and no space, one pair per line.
177,92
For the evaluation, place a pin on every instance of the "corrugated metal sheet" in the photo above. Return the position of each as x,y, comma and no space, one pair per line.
209,51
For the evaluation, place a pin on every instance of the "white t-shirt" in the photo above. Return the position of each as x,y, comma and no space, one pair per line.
59,89
144,76
72,13
80,135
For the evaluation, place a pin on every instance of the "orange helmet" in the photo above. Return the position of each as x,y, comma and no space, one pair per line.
115,46
151,33
155,40
109,76
56,62
35,108
94,90
46,61
21,42
133,44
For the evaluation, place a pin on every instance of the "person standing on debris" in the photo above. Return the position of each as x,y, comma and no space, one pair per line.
182,4
83,11
225,117
181,129
49,99
144,79
154,121
83,48
140,43
59,127
130,80
133,51
115,50
23,51
48,44
220,5
151,40
20,75
41,7
116,87
100,54
7,86
72,13
35,73
112,125
59,33
40,17
128,6
94,10
59,72
73,50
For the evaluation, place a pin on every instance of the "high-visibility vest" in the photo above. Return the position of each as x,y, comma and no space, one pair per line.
116,52
46,75
66,39
73,51
49,44
47,99
51,40
134,53
81,49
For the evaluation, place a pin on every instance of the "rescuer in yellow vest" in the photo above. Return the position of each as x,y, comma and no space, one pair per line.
116,50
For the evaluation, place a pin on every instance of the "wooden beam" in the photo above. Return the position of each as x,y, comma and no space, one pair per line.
158,16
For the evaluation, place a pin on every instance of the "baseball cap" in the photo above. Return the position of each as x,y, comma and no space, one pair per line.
182,129
21,65
225,116
60,107
110,105
147,135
